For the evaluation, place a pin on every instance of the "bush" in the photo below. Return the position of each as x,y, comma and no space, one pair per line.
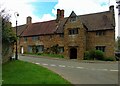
110,59
94,54
86,55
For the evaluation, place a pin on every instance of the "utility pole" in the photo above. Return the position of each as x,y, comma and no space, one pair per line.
118,7
16,53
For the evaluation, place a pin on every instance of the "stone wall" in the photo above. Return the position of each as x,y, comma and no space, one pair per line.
77,41
7,52
46,40
107,40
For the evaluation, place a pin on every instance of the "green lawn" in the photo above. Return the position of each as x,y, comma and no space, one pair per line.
19,72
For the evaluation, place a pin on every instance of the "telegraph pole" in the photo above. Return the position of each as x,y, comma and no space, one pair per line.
118,7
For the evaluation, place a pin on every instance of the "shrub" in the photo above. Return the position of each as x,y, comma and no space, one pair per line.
94,54
110,59
86,55
99,55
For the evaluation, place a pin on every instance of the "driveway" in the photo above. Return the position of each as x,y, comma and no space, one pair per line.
79,72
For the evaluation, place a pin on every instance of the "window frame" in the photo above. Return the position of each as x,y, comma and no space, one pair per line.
35,38
73,31
61,49
101,48
100,33
25,39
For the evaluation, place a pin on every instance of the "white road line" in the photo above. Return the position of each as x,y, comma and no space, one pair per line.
52,65
114,70
102,69
62,66
37,63
80,67
44,64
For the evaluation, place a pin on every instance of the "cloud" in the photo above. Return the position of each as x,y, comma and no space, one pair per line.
80,7
23,7
47,17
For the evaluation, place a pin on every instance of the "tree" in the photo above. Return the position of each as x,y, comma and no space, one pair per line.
8,35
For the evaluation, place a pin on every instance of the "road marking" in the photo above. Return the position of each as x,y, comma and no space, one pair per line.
114,70
62,66
102,69
52,65
44,64
80,67
37,63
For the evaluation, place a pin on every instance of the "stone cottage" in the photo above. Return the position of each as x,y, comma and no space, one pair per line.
74,34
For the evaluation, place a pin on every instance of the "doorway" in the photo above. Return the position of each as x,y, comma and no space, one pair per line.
73,53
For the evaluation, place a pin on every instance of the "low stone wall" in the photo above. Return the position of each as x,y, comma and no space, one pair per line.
7,52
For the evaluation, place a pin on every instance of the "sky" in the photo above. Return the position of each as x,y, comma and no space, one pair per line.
44,10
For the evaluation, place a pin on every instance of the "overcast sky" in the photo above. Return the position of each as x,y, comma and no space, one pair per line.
44,10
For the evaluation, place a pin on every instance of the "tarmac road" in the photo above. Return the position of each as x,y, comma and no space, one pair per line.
79,72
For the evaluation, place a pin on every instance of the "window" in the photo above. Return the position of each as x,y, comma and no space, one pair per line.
35,38
29,49
102,48
39,48
100,33
72,19
25,39
61,49
73,31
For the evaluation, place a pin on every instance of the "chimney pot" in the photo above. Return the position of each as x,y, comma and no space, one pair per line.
111,8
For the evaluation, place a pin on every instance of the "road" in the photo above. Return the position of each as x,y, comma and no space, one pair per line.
78,72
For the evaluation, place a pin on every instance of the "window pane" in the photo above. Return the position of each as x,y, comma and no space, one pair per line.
102,48
61,49
73,31
99,33
25,39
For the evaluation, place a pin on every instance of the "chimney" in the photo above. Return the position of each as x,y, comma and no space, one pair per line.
111,8
60,14
29,20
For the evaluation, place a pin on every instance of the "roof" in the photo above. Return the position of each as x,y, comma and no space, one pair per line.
98,21
93,22
40,28
20,29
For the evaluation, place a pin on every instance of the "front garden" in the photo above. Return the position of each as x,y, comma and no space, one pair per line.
97,55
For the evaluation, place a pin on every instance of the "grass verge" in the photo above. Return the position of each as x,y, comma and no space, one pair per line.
20,72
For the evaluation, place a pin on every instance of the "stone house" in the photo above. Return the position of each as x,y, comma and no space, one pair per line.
74,34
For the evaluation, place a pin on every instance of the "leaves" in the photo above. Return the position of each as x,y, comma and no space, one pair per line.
8,35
